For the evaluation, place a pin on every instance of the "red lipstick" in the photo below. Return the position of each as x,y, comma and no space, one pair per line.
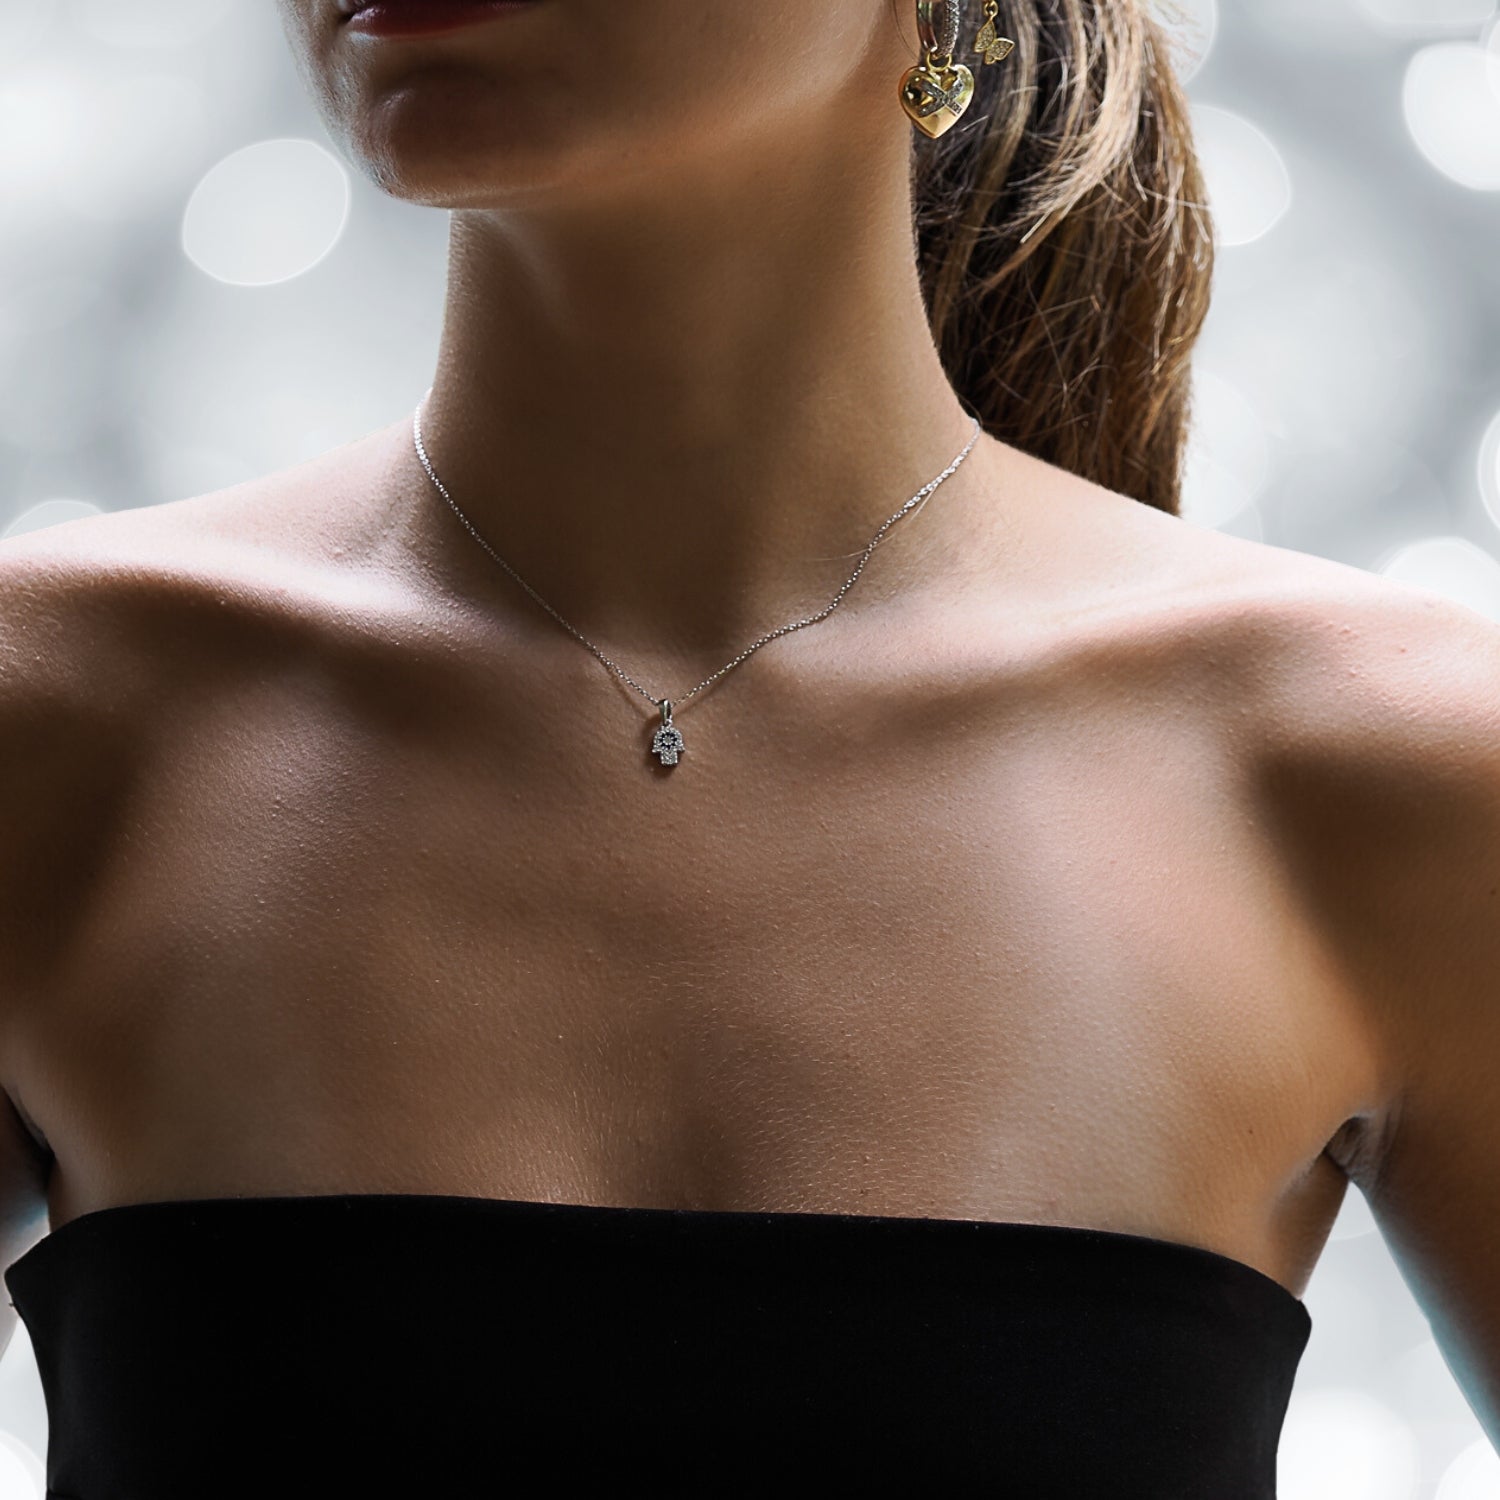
427,17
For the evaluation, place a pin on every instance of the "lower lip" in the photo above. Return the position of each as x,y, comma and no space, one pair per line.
429,17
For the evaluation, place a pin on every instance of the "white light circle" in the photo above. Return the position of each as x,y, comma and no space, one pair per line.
1422,1386
22,1474
1451,566
1426,17
1341,1444
143,128
1452,107
1489,470
1330,27
1247,522
1473,1475
50,513
1228,460
147,23
267,213
50,307
1350,1316
20,25
1190,27
1354,1217
44,118
1249,187
55,403
196,469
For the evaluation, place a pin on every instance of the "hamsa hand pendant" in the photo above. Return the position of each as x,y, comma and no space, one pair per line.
667,742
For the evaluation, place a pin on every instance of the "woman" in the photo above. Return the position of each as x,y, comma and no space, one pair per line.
500,973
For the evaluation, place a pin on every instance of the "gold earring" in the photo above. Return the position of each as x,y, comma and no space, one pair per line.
937,91
990,45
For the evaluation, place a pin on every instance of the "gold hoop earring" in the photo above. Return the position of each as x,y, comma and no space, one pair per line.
937,91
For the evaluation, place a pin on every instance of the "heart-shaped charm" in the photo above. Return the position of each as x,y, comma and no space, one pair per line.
936,97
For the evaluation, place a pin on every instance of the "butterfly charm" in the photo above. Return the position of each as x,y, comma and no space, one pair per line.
991,45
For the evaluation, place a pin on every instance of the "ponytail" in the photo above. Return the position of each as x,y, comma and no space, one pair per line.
1065,249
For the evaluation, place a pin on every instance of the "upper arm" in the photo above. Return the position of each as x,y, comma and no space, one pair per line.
1388,791
26,752
24,1169
1435,1184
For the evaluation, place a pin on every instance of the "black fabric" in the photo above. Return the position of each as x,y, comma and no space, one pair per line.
413,1345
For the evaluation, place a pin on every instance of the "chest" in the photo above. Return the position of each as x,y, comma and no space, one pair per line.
1010,945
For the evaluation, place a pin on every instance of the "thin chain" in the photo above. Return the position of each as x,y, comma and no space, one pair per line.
625,677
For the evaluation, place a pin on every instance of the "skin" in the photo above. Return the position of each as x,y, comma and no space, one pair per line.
1083,867
702,237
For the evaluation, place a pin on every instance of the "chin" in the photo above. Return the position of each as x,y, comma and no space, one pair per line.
457,142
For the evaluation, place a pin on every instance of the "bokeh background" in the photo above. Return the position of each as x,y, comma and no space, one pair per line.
196,290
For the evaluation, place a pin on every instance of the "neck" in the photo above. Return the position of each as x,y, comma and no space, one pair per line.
681,421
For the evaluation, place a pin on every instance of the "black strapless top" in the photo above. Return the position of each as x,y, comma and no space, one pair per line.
396,1344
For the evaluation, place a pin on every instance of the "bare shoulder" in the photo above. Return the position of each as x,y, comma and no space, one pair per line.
1379,710
1379,674
1378,766
58,742
109,626
1339,664
110,629
128,601
264,532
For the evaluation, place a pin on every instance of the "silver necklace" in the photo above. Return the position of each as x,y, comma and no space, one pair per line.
667,743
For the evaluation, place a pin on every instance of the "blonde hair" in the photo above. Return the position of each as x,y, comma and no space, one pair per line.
1065,248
